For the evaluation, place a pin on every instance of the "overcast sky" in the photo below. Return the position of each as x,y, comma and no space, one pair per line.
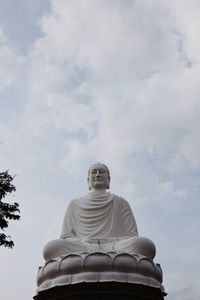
115,81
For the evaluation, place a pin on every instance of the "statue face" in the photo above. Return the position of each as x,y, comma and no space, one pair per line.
98,177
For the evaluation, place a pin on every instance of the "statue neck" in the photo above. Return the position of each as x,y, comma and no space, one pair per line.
103,190
98,195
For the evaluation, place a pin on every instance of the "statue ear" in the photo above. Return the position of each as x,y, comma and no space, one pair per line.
89,184
108,184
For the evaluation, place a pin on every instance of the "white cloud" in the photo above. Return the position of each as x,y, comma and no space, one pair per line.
181,287
100,51
9,62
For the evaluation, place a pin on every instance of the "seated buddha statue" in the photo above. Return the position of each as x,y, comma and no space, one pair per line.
99,222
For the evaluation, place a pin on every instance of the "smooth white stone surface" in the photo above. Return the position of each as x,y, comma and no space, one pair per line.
99,267
102,222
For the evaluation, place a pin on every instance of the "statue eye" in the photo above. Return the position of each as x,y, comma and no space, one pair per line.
94,171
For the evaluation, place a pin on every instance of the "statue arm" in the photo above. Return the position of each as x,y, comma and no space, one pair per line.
67,227
129,223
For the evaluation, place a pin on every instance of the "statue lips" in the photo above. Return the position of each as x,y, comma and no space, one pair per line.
98,180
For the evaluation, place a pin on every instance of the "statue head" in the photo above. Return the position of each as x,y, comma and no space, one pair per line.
98,176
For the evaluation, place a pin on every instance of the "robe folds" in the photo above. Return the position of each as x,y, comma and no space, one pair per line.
99,222
99,216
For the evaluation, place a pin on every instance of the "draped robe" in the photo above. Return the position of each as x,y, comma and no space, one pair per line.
99,222
99,216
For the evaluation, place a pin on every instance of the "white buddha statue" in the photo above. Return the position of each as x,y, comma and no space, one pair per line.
99,222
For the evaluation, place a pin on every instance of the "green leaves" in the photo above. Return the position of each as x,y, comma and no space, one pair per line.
5,184
7,211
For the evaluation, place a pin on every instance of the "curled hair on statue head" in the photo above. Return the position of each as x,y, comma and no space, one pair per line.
107,170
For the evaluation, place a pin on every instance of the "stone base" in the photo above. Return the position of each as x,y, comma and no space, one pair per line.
117,276
101,291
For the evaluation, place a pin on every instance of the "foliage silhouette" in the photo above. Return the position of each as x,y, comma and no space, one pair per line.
7,211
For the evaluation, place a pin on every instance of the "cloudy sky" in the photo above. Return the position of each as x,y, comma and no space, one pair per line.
115,81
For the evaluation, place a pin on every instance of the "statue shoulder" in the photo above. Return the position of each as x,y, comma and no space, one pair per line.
74,202
120,199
